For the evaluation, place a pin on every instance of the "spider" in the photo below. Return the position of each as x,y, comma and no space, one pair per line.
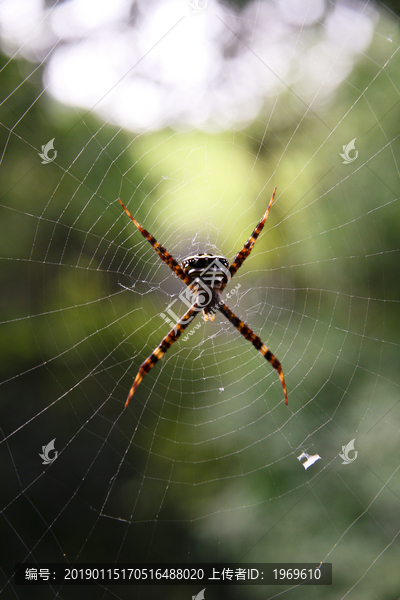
206,276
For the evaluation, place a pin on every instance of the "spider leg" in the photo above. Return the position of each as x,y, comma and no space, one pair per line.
256,341
164,345
161,251
247,248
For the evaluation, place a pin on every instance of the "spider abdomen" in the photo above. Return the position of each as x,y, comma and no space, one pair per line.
208,273
210,268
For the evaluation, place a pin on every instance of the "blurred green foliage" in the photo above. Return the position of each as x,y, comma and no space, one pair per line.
202,473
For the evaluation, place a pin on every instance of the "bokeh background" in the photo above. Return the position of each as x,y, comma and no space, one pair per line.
191,113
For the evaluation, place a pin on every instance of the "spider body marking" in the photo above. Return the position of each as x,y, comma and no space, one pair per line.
206,276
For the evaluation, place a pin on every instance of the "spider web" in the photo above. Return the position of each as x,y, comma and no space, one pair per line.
193,136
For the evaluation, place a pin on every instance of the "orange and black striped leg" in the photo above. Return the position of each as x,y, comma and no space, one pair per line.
256,341
161,349
248,247
161,251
